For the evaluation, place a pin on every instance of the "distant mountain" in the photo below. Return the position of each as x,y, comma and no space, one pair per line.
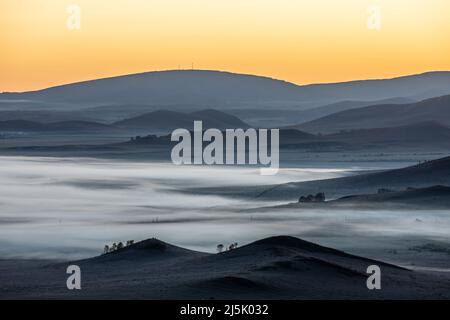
153,122
220,89
424,137
318,112
380,116
152,131
416,87
166,121
166,88
427,135
222,119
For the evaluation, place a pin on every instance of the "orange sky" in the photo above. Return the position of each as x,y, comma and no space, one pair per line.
303,41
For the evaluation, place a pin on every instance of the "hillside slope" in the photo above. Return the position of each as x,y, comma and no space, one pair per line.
273,268
380,116
229,90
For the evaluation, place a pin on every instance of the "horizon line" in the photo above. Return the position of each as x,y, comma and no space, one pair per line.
224,71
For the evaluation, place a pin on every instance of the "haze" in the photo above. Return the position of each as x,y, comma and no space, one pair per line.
298,41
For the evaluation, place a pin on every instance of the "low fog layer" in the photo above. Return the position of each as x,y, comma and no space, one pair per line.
71,208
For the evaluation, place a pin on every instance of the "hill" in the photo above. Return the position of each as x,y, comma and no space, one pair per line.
423,175
437,197
167,121
204,88
167,88
280,267
429,198
153,122
380,116
422,136
319,112
436,172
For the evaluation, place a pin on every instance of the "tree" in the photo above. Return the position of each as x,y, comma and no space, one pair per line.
320,197
219,248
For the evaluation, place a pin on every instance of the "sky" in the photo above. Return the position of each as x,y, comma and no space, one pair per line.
46,42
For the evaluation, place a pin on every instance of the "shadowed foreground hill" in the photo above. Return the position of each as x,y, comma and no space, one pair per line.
273,268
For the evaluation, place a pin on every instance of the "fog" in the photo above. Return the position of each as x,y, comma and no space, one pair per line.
71,208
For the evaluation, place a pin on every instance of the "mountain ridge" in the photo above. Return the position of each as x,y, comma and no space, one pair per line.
160,121
381,116
271,268
229,89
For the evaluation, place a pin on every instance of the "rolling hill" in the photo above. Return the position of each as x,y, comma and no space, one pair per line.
437,197
319,112
154,122
421,136
381,116
204,88
427,135
429,198
280,267
166,121
423,175
436,172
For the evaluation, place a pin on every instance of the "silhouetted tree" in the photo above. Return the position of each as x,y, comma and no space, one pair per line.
320,197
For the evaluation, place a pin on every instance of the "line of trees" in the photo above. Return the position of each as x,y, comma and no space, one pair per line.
117,246
221,247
